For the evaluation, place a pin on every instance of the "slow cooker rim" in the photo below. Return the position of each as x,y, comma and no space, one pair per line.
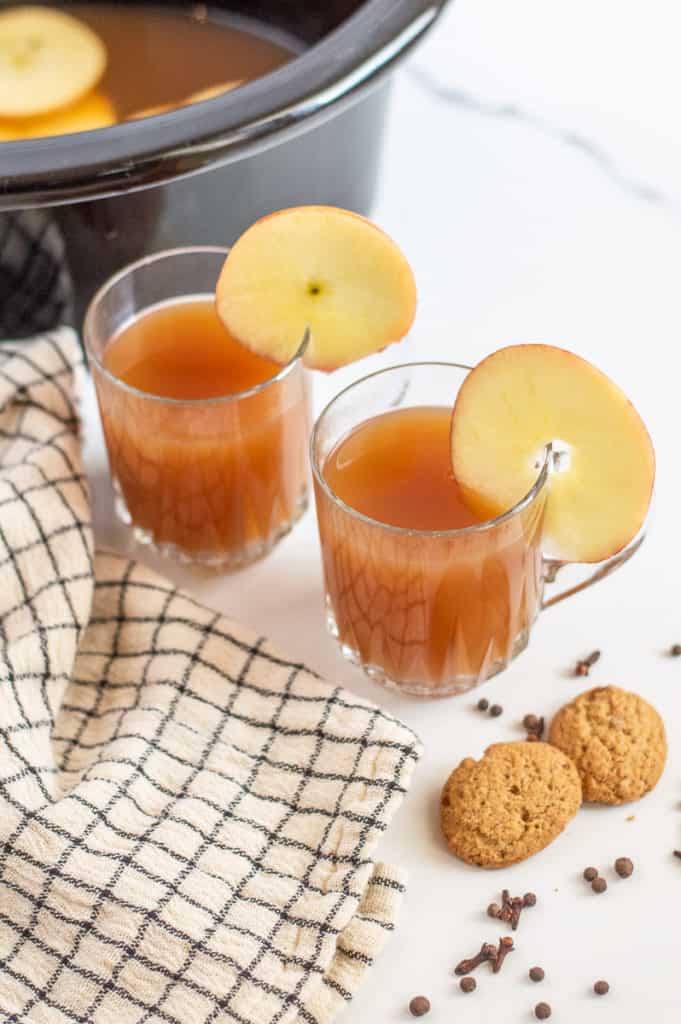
344,63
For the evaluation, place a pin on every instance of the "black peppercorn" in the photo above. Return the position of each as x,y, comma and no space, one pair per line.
496,710
624,867
483,704
419,1006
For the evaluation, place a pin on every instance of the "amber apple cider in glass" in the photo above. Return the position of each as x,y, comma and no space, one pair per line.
207,444
419,592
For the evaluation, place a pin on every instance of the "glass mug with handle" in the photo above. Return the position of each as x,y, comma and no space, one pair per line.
426,611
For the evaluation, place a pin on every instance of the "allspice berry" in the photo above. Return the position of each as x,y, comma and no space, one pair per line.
542,1011
601,988
468,984
624,867
599,885
590,874
419,1006
536,974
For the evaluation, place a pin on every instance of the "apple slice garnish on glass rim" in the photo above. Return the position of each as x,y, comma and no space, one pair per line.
522,399
322,268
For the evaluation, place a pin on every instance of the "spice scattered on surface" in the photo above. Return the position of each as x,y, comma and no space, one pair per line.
542,1011
468,984
590,874
601,988
419,1006
496,710
505,947
534,727
624,867
511,907
483,704
675,651
599,885
584,665
536,974
677,853
487,954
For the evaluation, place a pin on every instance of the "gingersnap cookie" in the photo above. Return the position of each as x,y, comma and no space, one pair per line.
510,804
617,741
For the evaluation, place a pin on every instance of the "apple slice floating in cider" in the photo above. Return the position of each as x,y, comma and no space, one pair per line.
524,397
48,59
318,267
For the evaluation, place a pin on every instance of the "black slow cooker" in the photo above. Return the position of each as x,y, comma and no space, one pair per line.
308,132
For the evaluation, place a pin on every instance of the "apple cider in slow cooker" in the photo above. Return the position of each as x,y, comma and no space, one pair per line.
80,67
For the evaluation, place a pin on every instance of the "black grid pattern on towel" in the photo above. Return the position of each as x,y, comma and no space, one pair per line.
187,818
36,292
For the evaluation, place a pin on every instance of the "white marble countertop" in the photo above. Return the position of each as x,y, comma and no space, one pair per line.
531,174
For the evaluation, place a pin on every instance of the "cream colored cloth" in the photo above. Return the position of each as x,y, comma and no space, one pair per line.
187,817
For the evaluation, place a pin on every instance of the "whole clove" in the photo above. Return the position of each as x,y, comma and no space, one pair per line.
505,947
487,954
534,727
511,907
584,665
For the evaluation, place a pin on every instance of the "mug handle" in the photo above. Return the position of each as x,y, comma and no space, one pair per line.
552,567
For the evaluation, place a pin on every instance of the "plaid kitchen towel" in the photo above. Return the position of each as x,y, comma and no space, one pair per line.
187,817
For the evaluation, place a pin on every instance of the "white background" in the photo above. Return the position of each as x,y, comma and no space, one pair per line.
517,234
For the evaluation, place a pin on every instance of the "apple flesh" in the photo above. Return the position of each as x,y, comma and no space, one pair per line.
525,397
94,111
321,268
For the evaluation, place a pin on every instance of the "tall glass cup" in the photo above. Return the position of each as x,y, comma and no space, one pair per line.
429,612
216,480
